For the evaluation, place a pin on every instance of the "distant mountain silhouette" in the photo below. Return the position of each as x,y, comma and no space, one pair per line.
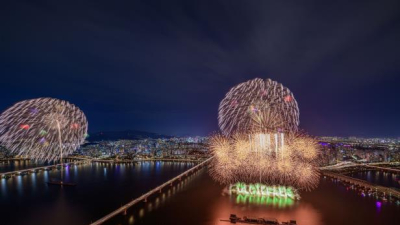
124,135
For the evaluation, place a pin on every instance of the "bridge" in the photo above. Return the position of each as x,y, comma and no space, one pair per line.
388,169
123,209
83,160
36,169
14,159
374,166
363,183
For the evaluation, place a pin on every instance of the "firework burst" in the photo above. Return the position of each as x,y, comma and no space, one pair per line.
258,105
43,128
240,159
260,142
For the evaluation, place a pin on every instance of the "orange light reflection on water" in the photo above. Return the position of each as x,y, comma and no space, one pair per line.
302,212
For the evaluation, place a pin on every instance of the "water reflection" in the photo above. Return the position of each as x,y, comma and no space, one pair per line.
282,209
262,200
33,179
158,167
131,219
378,177
46,176
76,171
4,187
195,200
368,193
101,188
19,185
203,202
141,210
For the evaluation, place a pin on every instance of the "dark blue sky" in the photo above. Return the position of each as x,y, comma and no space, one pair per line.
163,66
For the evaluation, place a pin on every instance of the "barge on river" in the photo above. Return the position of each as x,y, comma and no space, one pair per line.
254,220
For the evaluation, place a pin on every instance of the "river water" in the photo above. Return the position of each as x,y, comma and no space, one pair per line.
196,200
101,188
378,177
202,201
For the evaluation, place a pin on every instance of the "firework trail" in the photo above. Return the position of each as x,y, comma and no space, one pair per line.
43,128
258,105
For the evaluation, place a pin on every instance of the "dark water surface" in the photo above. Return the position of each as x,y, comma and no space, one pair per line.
196,200
200,200
101,189
379,177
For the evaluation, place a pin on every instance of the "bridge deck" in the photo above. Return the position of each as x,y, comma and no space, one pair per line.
34,169
84,160
376,166
363,183
383,168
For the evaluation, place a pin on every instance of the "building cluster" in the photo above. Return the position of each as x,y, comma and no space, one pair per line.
333,149
338,149
360,140
173,148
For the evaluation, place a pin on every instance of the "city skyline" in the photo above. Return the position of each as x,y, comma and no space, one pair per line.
164,66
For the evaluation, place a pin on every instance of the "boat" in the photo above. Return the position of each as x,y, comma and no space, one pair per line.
60,183
254,220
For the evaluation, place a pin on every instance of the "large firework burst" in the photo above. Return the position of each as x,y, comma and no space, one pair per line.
260,142
43,128
242,158
258,105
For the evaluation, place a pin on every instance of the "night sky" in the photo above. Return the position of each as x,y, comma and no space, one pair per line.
163,66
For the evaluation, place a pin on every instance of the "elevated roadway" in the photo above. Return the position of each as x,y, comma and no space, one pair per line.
36,169
363,183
